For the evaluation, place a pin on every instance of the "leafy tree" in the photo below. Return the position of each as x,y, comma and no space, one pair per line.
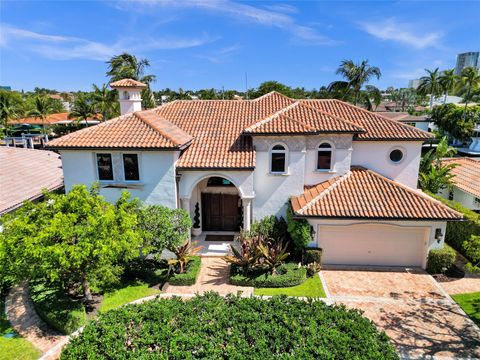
83,108
105,102
448,81
373,97
42,108
450,120
433,175
77,238
269,86
430,84
469,81
10,107
472,250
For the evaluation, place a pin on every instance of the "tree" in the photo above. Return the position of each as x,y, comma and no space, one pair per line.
105,102
356,76
430,84
373,97
42,108
469,81
451,121
77,238
83,109
447,80
433,175
9,106
269,86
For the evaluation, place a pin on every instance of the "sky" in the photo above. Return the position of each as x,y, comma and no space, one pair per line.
194,44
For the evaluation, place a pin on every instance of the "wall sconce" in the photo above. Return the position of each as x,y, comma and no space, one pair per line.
438,235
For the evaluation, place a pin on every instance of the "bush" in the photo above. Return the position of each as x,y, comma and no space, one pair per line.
313,255
287,275
270,227
440,260
189,277
472,248
212,327
58,310
300,231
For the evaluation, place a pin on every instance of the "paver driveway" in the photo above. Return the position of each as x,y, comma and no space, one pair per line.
410,306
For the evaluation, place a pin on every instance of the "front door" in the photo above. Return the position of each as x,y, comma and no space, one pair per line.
220,212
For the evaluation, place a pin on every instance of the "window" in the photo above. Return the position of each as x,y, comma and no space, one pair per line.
130,167
278,159
324,156
104,166
450,195
477,201
218,181
396,155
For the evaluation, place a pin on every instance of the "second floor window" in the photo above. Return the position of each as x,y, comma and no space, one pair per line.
324,156
130,167
104,166
278,159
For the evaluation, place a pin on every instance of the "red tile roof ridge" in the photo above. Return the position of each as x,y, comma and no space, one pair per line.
127,82
383,117
273,92
272,117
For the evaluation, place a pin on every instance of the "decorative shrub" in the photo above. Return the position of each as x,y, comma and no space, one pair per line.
289,274
441,260
313,268
189,277
313,255
196,217
212,327
58,310
300,231
270,227
472,248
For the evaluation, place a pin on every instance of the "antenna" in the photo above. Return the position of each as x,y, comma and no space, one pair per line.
246,85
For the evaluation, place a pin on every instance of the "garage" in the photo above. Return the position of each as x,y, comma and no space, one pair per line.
373,244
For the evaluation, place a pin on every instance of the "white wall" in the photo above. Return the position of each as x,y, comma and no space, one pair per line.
467,200
157,175
374,155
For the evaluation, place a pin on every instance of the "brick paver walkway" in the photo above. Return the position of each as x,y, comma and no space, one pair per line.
25,321
411,308
468,284
213,277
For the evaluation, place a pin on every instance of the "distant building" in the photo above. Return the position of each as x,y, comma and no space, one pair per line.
467,59
8,88
414,84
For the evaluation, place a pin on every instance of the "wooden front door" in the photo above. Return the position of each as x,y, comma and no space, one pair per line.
220,212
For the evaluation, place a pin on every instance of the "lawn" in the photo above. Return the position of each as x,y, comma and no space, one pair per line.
470,303
312,287
15,347
124,295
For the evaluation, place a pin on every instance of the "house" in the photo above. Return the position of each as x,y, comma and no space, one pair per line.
351,173
421,122
473,148
52,119
25,173
466,182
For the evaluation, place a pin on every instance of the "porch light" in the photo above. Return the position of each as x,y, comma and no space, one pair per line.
438,235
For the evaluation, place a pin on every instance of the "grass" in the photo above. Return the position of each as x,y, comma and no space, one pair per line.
470,303
312,287
15,347
126,294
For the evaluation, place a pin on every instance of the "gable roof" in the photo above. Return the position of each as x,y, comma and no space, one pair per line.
128,83
467,174
362,193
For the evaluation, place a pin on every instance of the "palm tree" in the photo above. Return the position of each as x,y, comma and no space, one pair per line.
8,109
105,101
430,84
469,81
127,66
448,80
82,109
42,107
373,97
356,75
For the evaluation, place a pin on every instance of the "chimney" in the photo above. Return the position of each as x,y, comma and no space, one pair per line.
129,94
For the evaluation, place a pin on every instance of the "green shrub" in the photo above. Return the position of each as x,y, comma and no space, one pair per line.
300,231
472,249
288,274
57,309
270,227
213,327
440,260
189,277
313,255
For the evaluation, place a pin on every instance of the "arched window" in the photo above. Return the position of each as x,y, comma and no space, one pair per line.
324,156
278,161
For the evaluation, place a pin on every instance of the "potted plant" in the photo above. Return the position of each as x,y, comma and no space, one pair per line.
196,230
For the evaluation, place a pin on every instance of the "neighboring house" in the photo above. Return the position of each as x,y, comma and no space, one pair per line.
466,183
421,122
24,173
351,173
52,119
473,148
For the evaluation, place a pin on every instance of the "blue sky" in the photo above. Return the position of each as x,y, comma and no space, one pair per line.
212,43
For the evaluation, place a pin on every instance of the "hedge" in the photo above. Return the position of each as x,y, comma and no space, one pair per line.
288,274
440,260
189,277
313,255
56,309
213,327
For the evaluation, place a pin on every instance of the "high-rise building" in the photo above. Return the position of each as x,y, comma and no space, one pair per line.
467,59
413,84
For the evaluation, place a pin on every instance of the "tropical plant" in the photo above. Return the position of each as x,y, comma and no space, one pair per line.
430,85
448,81
272,253
184,254
356,76
435,175
469,82
105,102
451,121
372,97
9,107
82,109
42,108
246,257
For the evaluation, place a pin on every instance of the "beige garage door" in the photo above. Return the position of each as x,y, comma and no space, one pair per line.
373,244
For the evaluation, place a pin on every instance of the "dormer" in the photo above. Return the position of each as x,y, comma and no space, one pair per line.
129,94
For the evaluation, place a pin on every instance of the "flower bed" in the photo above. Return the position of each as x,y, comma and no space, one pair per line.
213,327
189,277
288,274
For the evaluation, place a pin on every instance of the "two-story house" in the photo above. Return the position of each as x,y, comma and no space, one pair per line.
351,173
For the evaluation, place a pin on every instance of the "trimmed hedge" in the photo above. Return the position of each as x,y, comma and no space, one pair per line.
288,274
189,277
58,310
441,259
313,255
212,327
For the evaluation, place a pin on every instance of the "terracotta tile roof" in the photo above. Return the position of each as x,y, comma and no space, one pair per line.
467,174
362,193
24,173
403,116
140,130
128,83
301,118
50,119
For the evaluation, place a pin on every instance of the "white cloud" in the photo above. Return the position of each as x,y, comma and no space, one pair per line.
391,29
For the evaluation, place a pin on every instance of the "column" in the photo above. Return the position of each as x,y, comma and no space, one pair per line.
185,203
247,213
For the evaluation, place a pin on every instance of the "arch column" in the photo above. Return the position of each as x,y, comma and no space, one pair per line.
247,212
185,204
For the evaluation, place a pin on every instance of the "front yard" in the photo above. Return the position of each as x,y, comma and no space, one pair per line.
312,287
470,303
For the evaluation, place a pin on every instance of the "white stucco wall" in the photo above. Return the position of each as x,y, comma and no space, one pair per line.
374,155
467,200
157,175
